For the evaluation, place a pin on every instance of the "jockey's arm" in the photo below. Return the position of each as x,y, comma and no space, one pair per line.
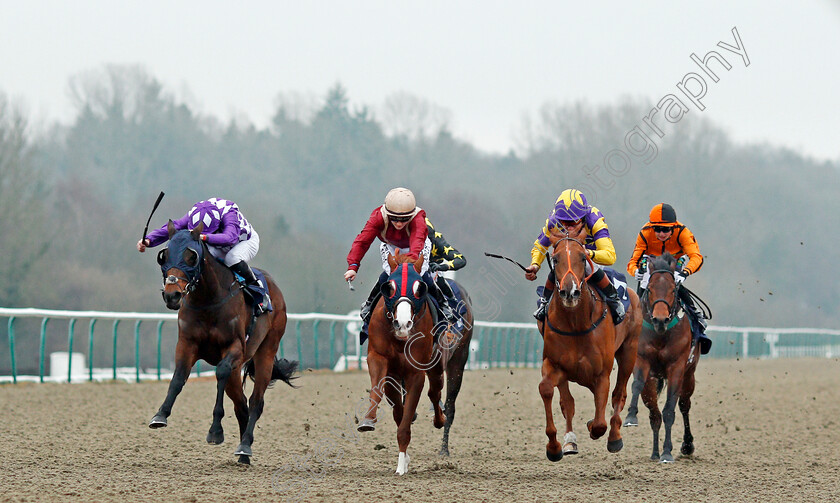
161,234
689,247
228,233
541,245
364,239
638,253
604,249
418,233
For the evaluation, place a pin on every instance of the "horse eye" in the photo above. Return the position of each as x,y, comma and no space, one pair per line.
190,257
162,255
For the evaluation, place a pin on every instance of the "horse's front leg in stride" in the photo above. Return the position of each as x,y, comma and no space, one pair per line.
216,434
598,426
185,358
649,397
435,388
626,357
263,369
414,384
567,406
687,448
378,370
639,378
550,379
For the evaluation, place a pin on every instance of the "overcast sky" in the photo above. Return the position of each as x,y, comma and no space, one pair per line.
488,62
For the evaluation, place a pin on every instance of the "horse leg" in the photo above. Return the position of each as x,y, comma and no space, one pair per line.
601,390
669,413
414,382
378,370
626,358
224,369
567,407
395,395
236,393
454,378
640,376
550,379
263,367
435,388
687,448
649,397
185,357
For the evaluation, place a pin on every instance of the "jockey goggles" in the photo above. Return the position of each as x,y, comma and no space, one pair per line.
400,219
662,228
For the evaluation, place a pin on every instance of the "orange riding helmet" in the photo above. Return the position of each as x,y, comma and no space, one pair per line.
663,214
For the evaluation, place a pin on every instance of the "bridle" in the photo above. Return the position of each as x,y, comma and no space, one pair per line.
192,282
559,280
673,308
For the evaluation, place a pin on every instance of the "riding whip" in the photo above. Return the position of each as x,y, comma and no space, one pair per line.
146,230
352,288
493,255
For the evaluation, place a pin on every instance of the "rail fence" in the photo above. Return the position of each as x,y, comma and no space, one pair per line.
71,346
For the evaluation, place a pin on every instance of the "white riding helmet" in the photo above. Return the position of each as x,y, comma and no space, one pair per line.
400,203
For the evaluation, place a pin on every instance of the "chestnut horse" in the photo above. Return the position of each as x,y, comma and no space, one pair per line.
213,319
580,343
400,352
667,351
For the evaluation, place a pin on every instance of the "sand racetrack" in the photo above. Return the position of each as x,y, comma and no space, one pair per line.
764,431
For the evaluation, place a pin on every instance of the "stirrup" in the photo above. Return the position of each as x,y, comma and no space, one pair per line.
364,311
539,314
616,309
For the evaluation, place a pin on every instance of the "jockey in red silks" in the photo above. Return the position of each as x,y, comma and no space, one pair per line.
401,225
229,237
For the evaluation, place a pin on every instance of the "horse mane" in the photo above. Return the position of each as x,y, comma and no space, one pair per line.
666,262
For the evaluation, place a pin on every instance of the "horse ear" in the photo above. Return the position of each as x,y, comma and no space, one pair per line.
418,264
170,227
392,261
196,233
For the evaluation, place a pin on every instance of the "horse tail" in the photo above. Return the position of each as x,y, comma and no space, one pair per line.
660,384
283,369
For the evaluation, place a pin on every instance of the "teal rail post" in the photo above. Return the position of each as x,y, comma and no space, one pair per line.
90,349
332,343
70,329
516,352
159,329
12,347
300,349
315,339
480,345
116,324
507,347
41,350
137,351
527,352
346,355
198,368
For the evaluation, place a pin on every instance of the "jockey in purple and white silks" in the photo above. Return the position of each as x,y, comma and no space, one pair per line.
228,235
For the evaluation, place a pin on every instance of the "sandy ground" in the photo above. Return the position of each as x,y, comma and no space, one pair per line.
764,431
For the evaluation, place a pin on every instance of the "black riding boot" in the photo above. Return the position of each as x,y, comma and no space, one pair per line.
366,310
243,269
602,282
542,301
442,300
697,318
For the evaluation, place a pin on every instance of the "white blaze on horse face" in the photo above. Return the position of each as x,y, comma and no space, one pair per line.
402,463
403,317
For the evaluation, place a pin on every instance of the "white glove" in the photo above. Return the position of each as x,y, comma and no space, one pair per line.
639,274
679,276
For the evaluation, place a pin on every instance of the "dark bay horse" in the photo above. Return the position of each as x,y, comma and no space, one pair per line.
213,318
580,344
667,352
453,346
400,352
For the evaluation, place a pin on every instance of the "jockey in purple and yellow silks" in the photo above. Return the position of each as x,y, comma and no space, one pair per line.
229,236
571,211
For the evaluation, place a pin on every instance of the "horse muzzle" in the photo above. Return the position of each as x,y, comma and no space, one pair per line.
659,325
172,299
570,299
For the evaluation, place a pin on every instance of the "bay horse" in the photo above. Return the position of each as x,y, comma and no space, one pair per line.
400,352
213,319
580,343
667,352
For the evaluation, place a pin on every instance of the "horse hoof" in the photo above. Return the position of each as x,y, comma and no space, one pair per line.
554,457
687,449
570,448
444,451
243,450
366,425
631,421
244,460
615,445
157,422
215,438
666,459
